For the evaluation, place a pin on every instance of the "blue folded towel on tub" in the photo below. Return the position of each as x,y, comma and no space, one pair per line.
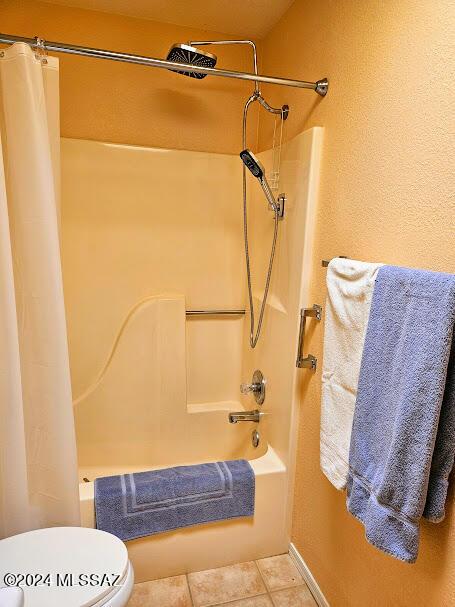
403,434
144,503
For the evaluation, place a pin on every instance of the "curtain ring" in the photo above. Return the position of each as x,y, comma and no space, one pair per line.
41,53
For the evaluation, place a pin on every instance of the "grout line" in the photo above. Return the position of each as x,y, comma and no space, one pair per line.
233,601
270,590
245,598
262,577
189,589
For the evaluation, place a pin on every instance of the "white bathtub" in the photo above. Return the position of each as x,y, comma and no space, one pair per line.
209,545
159,429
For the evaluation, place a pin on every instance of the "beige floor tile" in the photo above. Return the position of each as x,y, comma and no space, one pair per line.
294,597
168,592
279,572
256,601
224,584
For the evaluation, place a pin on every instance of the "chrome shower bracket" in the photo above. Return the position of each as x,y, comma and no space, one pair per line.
281,203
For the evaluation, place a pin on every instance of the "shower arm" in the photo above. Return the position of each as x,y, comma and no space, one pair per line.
284,111
320,87
227,42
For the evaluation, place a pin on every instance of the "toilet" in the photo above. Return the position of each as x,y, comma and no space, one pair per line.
64,566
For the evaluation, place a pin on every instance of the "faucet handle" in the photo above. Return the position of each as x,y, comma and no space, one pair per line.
247,388
256,387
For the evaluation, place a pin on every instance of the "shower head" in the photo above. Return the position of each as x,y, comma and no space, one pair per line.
183,53
257,169
252,163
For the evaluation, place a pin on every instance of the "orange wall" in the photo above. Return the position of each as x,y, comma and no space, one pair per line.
122,103
386,195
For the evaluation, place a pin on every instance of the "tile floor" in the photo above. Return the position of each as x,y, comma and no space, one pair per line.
270,582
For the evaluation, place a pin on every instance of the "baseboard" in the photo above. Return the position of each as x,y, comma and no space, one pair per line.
307,576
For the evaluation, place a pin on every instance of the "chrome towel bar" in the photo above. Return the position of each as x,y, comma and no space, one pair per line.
215,312
325,262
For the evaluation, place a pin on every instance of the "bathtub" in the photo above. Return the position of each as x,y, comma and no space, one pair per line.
158,429
209,545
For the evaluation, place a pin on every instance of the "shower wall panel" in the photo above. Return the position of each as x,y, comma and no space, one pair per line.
276,351
141,221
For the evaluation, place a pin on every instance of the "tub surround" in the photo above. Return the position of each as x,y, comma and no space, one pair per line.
164,398
139,222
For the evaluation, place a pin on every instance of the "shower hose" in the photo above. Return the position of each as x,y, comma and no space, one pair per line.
255,332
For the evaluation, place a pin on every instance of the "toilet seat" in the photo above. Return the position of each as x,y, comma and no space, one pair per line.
75,566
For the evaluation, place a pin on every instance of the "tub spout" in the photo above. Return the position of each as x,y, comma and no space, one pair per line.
245,416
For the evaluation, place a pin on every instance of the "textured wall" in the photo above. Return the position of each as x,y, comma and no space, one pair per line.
387,194
122,103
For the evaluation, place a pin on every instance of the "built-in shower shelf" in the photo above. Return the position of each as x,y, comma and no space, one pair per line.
223,405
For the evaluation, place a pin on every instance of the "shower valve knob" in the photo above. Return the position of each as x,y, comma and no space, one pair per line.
246,388
256,387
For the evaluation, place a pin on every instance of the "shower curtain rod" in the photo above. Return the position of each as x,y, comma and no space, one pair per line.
320,87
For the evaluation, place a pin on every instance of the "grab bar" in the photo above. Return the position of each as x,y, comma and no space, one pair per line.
215,312
310,361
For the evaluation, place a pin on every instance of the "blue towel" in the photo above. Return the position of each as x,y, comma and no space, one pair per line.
144,503
405,401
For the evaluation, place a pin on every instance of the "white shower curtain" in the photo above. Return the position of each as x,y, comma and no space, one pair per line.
38,465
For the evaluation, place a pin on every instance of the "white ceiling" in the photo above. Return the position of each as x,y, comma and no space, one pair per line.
241,18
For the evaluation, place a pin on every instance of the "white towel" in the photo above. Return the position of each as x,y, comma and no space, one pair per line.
350,287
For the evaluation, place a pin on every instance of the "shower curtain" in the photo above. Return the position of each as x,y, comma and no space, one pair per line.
38,465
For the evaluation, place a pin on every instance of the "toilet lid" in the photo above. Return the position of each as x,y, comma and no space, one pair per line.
74,566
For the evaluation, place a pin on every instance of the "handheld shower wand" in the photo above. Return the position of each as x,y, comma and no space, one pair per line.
257,169
251,163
